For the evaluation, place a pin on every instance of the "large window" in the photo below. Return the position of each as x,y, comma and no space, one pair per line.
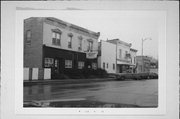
80,65
28,36
48,62
70,35
56,38
68,63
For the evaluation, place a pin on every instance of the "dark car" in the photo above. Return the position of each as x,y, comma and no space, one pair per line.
136,76
124,76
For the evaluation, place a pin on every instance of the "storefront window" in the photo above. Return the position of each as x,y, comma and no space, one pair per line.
48,62
80,65
94,66
68,63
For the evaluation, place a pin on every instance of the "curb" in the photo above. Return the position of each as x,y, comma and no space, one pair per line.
65,81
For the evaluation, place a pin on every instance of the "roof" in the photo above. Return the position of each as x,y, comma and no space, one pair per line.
115,41
97,34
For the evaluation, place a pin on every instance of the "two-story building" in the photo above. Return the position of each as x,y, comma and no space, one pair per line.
58,45
107,56
116,56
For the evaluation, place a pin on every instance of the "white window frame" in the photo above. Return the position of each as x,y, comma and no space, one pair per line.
68,63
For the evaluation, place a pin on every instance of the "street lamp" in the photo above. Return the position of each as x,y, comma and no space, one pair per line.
148,38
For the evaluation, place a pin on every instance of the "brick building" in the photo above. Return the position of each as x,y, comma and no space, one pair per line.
59,46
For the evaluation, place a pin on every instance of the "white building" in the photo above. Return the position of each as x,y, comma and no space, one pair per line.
116,56
107,56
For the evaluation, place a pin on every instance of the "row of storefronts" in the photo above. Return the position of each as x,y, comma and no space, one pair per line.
62,47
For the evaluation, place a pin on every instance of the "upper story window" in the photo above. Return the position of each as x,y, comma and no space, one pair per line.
103,65
80,42
120,53
90,45
70,35
126,54
56,37
107,65
28,36
134,60
113,66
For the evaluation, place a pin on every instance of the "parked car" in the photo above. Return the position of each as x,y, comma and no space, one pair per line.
136,76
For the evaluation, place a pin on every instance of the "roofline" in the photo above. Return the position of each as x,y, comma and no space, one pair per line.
97,34
120,41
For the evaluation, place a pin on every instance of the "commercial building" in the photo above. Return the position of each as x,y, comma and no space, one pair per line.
50,43
107,56
117,56
143,64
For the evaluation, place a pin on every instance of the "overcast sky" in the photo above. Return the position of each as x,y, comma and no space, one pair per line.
128,26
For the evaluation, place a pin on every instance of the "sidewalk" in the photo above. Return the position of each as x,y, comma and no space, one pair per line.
65,81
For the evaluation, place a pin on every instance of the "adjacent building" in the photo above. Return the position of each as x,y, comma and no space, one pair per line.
107,56
116,56
143,64
59,46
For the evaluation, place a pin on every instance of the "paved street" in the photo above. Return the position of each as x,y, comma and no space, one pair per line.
143,93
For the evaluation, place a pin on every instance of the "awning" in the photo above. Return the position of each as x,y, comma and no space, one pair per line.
124,63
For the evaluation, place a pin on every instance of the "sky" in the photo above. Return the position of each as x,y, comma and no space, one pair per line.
128,26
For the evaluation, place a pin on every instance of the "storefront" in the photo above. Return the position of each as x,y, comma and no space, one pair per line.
65,62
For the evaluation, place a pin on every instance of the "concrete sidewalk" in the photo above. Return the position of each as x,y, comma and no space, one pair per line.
65,81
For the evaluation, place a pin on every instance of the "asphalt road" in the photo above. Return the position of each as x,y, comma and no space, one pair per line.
143,93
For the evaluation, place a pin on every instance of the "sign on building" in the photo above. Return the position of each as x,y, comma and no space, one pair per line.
91,55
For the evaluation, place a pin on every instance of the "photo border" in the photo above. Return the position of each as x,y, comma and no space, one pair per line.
8,18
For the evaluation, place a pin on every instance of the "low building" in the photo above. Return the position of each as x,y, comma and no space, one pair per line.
143,64
59,46
116,56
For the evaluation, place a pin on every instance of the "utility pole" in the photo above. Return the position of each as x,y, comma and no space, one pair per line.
142,52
